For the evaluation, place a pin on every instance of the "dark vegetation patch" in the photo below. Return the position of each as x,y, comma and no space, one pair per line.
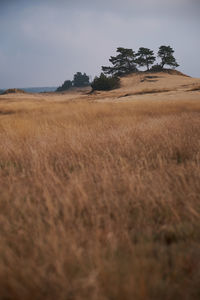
6,112
195,89
104,83
150,78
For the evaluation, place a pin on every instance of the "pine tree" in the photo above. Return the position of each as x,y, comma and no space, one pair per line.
123,63
167,57
145,57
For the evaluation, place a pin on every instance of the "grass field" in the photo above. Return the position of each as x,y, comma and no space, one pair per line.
99,201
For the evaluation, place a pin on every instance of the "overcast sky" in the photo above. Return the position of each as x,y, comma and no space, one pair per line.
44,42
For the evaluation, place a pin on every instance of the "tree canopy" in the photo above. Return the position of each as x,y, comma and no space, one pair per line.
81,80
145,57
123,63
165,53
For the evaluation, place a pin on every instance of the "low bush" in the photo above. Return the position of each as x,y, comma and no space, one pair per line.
156,68
66,85
104,83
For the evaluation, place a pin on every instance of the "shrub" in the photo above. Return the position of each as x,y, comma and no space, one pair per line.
156,68
104,83
66,85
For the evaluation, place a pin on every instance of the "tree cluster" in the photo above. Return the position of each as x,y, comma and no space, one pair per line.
80,80
128,61
125,62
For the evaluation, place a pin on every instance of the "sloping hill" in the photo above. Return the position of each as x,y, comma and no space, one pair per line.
169,85
149,85
159,81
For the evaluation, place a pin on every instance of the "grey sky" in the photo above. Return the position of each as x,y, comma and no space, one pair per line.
43,43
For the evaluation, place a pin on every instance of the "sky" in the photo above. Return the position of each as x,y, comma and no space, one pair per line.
45,42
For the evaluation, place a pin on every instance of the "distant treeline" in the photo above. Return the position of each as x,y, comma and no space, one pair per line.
125,62
80,80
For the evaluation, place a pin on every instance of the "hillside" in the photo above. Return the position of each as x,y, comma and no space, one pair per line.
160,85
140,86
100,192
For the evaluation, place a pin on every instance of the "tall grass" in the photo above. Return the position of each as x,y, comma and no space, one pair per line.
100,201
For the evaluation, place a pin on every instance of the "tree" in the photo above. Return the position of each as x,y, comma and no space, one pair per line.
167,57
145,57
81,80
104,83
66,85
123,63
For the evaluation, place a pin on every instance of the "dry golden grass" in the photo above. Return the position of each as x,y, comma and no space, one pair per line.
195,88
99,200
146,91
